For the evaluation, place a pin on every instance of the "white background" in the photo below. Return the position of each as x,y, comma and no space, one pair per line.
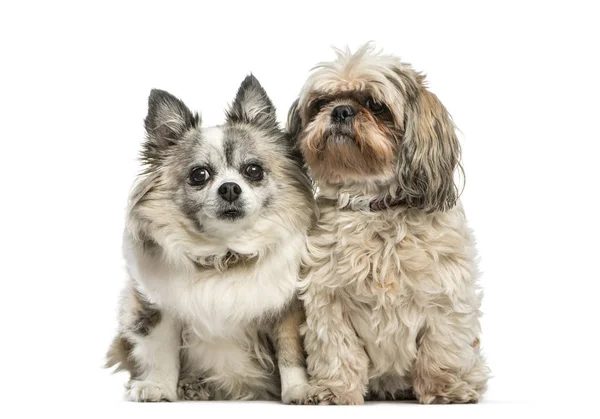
521,81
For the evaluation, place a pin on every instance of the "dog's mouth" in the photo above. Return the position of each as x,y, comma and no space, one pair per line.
339,139
231,214
339,134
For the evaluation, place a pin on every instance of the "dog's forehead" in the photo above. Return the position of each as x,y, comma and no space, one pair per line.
238,142
224,144
211,138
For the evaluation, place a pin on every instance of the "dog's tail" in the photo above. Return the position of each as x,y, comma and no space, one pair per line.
119,355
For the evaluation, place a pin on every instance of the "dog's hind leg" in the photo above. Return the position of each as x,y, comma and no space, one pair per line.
449,367
194,388
148,346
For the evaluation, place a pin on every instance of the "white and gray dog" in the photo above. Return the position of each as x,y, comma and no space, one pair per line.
214,232
389,276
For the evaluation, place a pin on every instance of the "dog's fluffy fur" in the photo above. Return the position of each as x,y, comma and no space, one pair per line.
210,310
389,276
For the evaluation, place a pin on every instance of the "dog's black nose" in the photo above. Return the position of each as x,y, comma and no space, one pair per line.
229,191
342,112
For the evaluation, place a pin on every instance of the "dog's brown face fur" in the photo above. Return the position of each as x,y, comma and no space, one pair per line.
363,144
369,119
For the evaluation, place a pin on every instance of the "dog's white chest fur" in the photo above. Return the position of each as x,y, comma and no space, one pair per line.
216,303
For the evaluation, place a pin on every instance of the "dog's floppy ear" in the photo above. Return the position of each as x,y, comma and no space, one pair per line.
252,105
429,154
293,130
294,123
167,120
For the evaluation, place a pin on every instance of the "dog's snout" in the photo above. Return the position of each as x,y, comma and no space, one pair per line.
229,191
342,112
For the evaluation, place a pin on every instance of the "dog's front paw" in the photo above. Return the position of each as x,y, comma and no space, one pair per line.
296,394
149,391
331,396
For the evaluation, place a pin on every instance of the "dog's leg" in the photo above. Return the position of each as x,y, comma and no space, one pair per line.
153,339
337,362
290,355
449,367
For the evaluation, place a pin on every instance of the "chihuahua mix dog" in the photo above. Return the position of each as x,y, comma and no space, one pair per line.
215,227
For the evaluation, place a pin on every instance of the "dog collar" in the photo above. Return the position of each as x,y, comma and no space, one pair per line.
231,260
375,205
380,204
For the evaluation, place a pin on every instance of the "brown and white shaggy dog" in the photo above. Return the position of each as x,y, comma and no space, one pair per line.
389,281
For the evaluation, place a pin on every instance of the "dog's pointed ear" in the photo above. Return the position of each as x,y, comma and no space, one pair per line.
252,105
429,155
167,121
168,118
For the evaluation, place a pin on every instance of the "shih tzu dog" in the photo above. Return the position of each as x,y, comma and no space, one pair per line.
389,275
214,232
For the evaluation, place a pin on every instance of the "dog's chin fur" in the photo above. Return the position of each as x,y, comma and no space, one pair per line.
209,311
391,297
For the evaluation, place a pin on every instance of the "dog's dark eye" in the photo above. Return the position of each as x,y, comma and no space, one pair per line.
199,176
317,105
374,106
254,172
